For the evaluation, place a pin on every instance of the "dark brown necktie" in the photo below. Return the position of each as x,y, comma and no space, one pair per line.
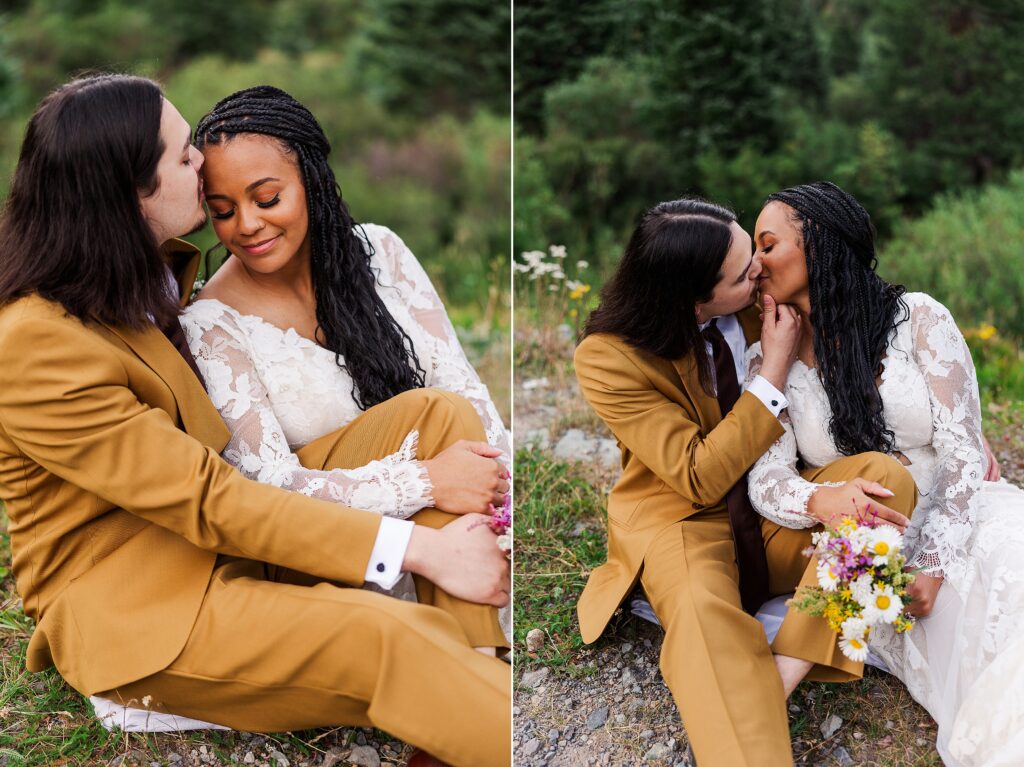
176,336
745,522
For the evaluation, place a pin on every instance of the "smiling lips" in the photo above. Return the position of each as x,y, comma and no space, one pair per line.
261,247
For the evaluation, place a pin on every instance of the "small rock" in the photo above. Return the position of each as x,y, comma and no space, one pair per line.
858,735
282,760
627,647
620,719
203,751
628,678
534,678
364,756
516,710
538,439
535,383
921,742
573,445
658,752
794,708
552,735
532,747
174,758
608,453
578,529
672,744
534,640
889,724
830,726
646,734
598,718
334,756
249,758
842,756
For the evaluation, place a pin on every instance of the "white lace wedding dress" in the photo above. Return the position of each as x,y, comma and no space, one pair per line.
965,662
277,391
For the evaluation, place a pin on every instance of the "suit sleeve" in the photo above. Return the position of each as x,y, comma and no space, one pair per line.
662,435
66,403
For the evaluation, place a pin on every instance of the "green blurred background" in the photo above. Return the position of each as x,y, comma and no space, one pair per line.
414,97
914,106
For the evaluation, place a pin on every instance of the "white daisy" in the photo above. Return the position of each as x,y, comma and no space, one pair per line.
827,579
854,649
883,607
881,542
861,588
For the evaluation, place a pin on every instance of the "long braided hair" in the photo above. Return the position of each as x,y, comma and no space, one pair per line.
352,320
853,311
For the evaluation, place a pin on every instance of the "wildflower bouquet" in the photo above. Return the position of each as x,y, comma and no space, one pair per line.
861,583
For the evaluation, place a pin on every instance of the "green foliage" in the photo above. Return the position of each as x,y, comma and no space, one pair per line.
431,166
426,55
631,103
965,253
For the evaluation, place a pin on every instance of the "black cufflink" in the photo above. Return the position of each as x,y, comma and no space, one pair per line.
775,403
380,567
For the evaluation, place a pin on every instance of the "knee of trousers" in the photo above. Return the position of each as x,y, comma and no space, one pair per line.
444,409
893,475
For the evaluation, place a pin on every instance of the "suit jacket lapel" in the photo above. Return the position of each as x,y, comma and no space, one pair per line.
198,415
708,411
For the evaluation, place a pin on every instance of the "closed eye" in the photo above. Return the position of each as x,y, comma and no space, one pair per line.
271,202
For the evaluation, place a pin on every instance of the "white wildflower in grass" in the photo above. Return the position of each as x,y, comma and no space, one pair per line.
582,264
827,579
573,284
557,251
884,606
881,542
861,588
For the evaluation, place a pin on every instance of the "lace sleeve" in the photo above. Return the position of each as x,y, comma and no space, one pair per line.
776,489
945,362
445,362
396,485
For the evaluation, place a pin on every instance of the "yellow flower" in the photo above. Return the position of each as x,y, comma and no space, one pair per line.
573,313
985,332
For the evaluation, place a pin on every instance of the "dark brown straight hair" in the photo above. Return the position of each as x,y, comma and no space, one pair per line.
673,260
72,229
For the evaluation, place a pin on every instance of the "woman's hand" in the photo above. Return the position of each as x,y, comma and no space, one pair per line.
829,505
923,590
780,340
993,473
466,479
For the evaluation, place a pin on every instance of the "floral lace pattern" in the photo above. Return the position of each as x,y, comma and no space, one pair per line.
964,661
278,391
931,401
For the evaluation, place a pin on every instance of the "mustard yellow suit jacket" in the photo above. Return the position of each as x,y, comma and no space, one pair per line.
119,502
679,456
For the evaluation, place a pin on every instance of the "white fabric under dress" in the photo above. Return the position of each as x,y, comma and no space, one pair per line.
965,662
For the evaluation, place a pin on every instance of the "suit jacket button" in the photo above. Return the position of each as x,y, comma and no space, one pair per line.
380,567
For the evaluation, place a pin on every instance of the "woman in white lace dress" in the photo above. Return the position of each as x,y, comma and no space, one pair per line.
314,323
886,370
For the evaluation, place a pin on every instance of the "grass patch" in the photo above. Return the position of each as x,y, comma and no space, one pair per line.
560,537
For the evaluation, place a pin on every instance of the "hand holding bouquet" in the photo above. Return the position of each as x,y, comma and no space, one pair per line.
862,583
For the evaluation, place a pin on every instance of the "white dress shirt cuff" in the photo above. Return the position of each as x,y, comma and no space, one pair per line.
385,566
772,398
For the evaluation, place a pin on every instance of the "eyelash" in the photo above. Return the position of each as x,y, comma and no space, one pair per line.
767,248
268,204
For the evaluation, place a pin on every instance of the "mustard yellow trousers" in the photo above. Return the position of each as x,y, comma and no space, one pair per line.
275,650
715,658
